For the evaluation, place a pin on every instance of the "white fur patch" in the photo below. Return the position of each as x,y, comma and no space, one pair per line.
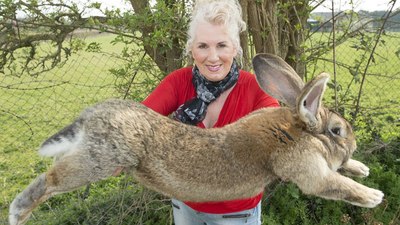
14,212
59,148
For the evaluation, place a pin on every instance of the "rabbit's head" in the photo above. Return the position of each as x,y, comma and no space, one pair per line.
278,79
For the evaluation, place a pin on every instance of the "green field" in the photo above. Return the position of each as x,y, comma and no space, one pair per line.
33,108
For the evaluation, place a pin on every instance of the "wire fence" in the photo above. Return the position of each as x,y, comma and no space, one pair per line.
33,108
367,84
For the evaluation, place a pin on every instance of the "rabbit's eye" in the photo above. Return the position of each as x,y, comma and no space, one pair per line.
336,130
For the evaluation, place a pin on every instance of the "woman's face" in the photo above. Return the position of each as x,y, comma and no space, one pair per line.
213,51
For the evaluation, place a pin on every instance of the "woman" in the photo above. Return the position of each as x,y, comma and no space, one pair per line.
212,93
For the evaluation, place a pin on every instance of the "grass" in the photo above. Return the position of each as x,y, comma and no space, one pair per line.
34,108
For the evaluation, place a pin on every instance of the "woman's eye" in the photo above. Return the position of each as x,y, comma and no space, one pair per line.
202,46
222,45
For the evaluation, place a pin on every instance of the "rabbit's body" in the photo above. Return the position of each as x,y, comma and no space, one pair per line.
155,150
193,164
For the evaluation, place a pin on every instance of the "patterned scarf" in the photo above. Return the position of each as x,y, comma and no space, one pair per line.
194,110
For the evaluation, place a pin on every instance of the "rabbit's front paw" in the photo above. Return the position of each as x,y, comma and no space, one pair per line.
355,168
362,169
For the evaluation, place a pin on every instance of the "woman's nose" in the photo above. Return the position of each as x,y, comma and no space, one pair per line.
213,55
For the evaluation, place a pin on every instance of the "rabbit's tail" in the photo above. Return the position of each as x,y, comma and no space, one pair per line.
63,141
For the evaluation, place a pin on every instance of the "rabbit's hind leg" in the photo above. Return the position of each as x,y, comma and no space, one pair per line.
67,174
25,202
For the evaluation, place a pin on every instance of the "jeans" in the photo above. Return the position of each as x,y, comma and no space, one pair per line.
184,215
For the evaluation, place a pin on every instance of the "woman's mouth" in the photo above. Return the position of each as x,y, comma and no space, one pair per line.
213,68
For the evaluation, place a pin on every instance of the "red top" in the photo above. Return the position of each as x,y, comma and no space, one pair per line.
245,97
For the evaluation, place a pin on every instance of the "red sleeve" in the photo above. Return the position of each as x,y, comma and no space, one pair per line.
173,91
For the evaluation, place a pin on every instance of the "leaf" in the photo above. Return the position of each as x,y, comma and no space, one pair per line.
96,5
398,53
93,47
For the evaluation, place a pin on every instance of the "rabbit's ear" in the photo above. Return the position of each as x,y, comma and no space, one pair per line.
277,78
309,101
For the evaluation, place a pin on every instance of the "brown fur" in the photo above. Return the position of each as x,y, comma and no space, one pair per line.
304,143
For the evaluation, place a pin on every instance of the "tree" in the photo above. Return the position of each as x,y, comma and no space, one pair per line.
163,31
278,27
20,37
273,26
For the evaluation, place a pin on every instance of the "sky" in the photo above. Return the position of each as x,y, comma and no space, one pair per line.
367,5
339,5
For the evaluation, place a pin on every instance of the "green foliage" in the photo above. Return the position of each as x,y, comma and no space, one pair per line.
152,39
383,160
93,47
159,30
22,37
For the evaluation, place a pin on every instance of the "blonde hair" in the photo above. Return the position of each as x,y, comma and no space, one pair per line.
218,12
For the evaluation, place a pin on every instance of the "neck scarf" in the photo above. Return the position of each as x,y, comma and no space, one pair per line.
194,110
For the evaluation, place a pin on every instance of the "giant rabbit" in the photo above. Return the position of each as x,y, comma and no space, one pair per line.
304,143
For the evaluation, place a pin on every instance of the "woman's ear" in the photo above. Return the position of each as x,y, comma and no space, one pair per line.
191,54
235,52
